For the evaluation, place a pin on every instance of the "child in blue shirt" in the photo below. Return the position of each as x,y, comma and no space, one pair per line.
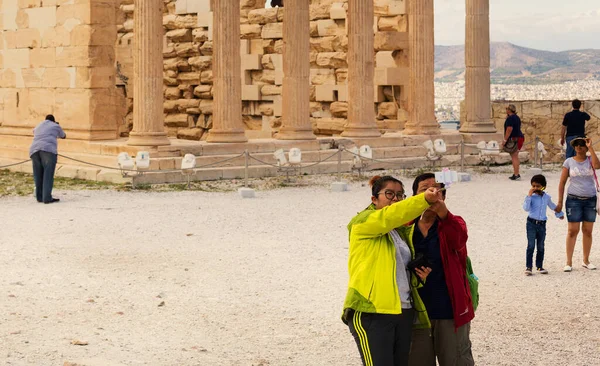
535,204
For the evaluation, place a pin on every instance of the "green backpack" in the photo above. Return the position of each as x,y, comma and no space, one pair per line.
473,284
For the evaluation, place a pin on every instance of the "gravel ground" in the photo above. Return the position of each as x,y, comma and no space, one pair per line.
199,278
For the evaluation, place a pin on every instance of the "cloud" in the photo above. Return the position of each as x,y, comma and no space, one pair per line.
542,24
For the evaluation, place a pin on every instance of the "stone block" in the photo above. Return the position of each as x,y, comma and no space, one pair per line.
198,6
272,31
93,35
245,192
390,7
179,35
201,62
251,92
28,38
206,77
334,60
249,31
58,36
339,109
319,11
337,11
95,77
16,58
205,20
194,134
263,16
327,27
176,120
322,76
329,126
464,177
271,90
391,41
42,17
399,23
32,78
339,187
42,57
85,56
392,76
537,109
385,59
251,62
325,93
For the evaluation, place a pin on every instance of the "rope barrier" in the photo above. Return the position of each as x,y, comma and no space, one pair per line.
151,171
15,164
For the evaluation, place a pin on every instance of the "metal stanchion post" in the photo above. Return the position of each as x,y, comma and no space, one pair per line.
462,156
246,168
339,164
535,152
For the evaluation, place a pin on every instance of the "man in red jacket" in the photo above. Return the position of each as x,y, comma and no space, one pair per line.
442,238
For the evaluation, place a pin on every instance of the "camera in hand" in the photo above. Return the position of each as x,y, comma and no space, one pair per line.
419,261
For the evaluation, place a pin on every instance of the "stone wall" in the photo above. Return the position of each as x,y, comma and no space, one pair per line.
58,57
544,119
188,66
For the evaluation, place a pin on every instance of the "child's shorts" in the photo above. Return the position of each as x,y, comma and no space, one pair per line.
580,209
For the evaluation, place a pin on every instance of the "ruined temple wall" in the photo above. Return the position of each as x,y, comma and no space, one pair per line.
188,65
544,119
58,57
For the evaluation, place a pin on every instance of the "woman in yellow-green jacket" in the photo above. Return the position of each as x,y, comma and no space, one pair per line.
382,304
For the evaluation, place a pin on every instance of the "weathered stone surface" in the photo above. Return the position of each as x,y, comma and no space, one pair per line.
263,16
339,109
271,90
390,41
201,62
190,133
250,31
179,35
387,110
272,31
398,23
333,60
176,120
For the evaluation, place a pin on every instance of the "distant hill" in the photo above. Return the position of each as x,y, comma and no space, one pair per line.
512,63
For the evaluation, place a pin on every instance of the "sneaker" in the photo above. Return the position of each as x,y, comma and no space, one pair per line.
567,269
528,271
515,177
589,266
542,271
54,200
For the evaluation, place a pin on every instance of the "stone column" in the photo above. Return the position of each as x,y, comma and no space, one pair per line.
148,116
421,100
477,61
296,72
361,70
227,78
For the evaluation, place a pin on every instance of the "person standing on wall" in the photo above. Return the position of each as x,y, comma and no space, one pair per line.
573,126
513,139
43,153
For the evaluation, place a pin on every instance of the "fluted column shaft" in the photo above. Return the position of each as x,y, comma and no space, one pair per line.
421,103
227,79
477,61
148,117
296,72
361,71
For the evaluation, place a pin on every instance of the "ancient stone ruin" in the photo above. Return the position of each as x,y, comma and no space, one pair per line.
214,78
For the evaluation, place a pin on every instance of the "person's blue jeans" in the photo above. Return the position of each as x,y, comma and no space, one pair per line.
44,165
536,236
570,150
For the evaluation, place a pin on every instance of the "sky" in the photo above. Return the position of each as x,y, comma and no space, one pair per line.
553,25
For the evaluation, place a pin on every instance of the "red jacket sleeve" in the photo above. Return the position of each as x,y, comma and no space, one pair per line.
456,230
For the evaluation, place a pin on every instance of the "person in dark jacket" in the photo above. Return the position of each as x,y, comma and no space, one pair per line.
442,238
43,153
573,126
513,133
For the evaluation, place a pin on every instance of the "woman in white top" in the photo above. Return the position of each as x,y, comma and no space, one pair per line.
581,198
